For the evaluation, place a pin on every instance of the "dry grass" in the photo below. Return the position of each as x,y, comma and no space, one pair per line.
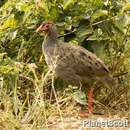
44,109
32,100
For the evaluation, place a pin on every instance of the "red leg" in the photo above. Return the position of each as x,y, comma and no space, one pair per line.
90,100
89,104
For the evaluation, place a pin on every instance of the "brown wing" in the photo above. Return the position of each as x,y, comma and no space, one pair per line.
81,61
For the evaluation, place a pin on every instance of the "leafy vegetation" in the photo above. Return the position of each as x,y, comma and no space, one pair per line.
101,26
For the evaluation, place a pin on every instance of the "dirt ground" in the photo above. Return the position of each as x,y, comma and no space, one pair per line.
69,122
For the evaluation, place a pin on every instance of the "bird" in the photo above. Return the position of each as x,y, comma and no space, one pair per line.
73,63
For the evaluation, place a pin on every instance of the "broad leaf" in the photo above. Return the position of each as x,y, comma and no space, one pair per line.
98,14
10,22
68,3
126,7
80,97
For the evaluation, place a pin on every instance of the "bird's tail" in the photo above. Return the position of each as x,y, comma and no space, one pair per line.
109,81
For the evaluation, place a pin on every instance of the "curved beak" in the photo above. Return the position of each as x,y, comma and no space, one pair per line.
39,28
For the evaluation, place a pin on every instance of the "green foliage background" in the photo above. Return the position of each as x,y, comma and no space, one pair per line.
101,26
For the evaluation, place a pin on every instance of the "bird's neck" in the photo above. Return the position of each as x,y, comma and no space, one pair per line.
50,39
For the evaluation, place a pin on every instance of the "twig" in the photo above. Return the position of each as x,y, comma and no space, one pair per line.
75,30
104,20
57,102
67,33
28,78
120,74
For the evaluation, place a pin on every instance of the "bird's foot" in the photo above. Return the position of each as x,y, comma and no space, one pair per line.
85,113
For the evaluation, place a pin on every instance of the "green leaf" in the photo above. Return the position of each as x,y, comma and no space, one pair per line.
126,7
97,3
2,55
22,6
83,31
54,13
80,97
68,3
98,14
19,15
14,34
42,4
93,38
120,23
10,22
7,65
2,2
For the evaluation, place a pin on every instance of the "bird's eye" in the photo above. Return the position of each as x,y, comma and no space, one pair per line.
43,25
47,26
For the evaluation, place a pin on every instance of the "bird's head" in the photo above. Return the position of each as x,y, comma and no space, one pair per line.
47,27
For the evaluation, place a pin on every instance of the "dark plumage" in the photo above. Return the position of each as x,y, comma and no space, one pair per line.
72,63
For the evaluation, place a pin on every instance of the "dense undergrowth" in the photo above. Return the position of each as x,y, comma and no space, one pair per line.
27,92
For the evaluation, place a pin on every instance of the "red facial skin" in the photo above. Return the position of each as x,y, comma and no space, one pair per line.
44,27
